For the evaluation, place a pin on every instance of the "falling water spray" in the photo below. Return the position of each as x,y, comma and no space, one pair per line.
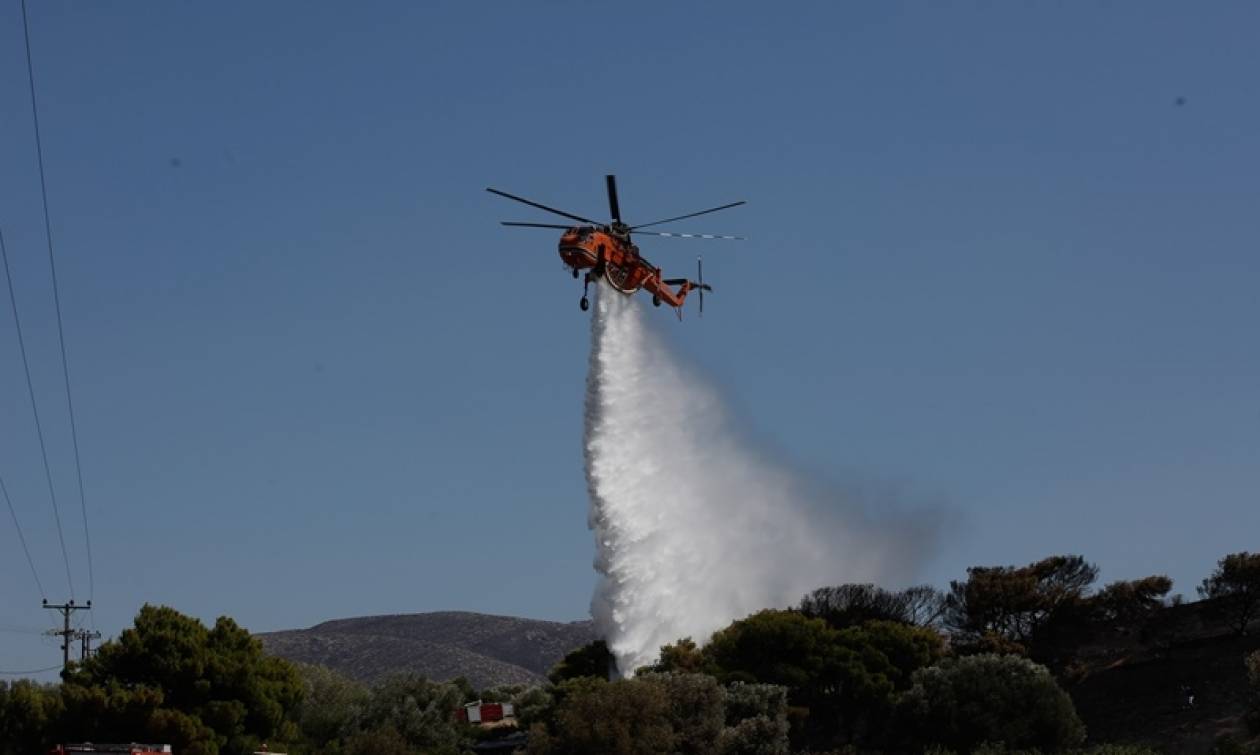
694,526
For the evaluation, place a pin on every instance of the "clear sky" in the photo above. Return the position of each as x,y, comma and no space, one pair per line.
992,264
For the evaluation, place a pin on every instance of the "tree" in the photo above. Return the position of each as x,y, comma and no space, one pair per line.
924,605
688,714
851,604
623,717
27,712
169,678
756,720
961,703
381,741
590,660
696,710
845,680
1133,600
776,647
419,711
1236,584
905,648
331,708
680,657
1012,604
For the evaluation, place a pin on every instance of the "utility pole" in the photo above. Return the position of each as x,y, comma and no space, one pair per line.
66,632
85,642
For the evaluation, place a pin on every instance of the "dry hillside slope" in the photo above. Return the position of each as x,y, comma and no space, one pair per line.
486,650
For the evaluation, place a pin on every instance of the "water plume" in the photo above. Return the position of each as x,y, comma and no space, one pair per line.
694,525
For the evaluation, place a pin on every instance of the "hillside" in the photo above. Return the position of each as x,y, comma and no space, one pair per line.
487,650
1128,682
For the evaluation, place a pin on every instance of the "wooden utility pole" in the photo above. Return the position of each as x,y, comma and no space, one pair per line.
66,633
85,642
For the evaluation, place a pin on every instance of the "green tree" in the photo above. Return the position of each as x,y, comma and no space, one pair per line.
623,717
590,660
1236,584
775,647
756,720
688,714
844,681
961,703
696,710
420,711
331,708
905,648
168,678
27,713
380,741
682,657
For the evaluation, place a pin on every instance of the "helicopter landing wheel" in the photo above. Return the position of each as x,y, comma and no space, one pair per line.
656,301
585,304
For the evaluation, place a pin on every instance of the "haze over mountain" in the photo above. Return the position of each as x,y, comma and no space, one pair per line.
487,650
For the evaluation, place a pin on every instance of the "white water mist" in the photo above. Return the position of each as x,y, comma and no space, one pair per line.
694,527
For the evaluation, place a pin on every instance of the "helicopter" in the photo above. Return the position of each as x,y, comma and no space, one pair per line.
606,251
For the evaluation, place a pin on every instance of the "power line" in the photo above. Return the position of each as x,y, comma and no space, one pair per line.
39,427
61,336
22,539
18,629
26,673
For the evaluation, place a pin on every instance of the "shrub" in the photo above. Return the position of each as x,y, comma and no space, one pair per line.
963,703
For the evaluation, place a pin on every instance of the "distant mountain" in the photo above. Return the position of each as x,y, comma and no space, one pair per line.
487,650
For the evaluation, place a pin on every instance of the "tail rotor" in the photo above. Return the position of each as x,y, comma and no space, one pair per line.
700,285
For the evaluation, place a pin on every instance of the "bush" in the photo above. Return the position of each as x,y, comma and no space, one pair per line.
331,708
688,714
419,711
756,720
624,717
963,703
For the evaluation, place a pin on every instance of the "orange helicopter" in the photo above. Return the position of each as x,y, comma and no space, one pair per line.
605,250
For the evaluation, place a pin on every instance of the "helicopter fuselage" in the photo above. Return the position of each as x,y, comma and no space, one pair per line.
607,255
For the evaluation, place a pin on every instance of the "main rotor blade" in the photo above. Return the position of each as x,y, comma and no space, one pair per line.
537,225
692,215
691,235
613,207
561,213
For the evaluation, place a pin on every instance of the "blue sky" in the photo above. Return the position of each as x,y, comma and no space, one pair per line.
991,264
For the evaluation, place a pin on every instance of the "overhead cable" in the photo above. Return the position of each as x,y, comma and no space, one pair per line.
39,427
61,336
21,539
32,671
